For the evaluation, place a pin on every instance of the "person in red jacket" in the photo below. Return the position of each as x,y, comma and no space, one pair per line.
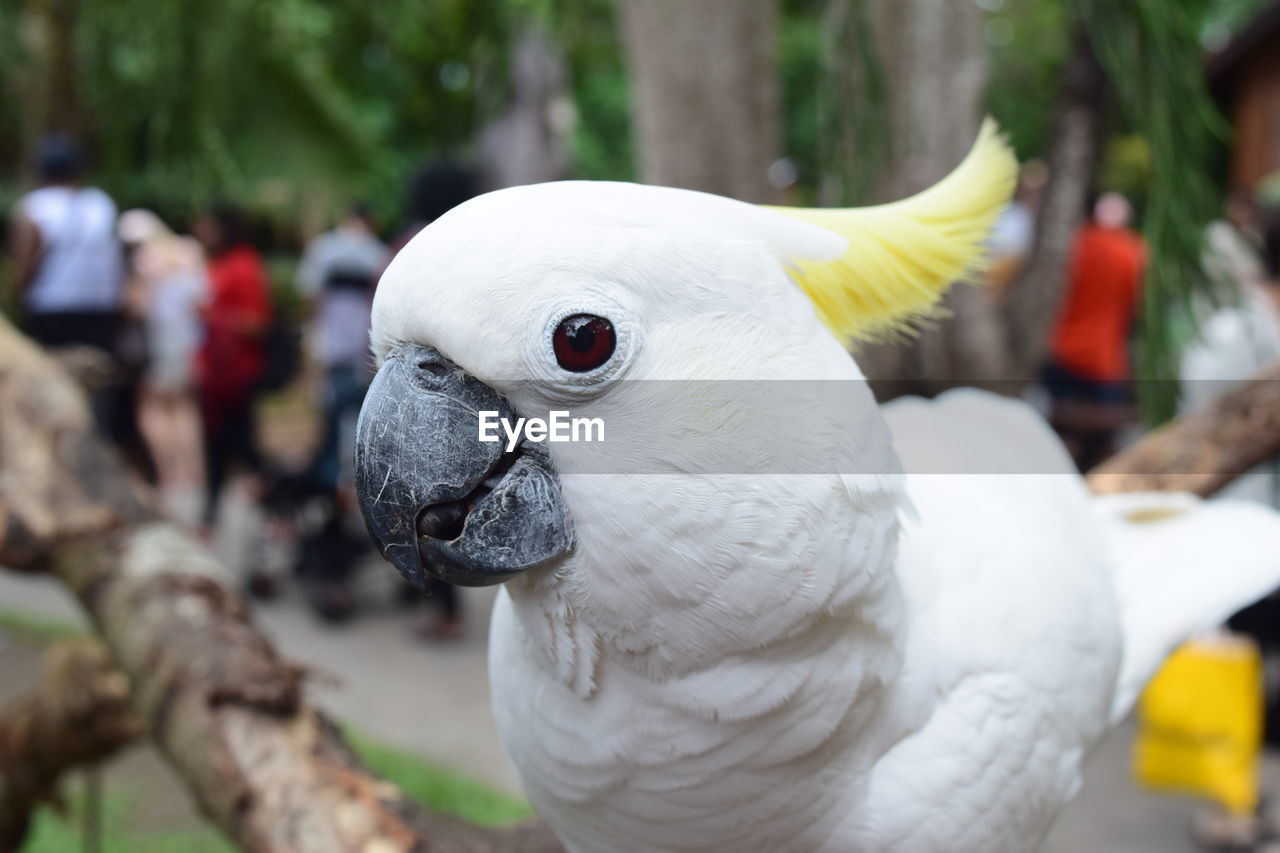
1089,376
231,360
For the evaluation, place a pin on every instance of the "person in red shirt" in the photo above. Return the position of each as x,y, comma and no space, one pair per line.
1089,375
231,360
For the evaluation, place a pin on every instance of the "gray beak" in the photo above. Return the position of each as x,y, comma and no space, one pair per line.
436,499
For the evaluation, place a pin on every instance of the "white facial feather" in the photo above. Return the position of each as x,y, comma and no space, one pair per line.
695,294
506,260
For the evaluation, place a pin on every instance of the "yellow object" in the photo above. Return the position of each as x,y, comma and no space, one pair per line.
902,257
1200,723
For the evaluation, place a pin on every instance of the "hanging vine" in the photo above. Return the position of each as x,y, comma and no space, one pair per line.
854,114
1153,57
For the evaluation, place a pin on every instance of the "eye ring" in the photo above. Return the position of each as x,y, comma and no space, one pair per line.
583,342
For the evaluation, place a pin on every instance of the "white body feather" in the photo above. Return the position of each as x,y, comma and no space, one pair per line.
947,706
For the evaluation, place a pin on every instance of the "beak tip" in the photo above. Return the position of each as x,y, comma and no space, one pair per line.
407,563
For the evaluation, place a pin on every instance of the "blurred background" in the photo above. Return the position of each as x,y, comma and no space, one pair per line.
200,199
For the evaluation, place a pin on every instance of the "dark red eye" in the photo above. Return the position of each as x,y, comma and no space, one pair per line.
583,342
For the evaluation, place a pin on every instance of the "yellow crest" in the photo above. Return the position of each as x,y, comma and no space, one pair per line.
902,257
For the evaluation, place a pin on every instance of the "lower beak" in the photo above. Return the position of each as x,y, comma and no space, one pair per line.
436,499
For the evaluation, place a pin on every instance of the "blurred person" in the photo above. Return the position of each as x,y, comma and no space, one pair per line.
530,140
1239,329
1267,204
1014,233
1088,377
1270,218
68,263
433,192
1238,336
231,359
168,285
337,275
1234,244
69,267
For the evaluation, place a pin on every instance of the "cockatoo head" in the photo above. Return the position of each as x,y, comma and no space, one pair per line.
631,304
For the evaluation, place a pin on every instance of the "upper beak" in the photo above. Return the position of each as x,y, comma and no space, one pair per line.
435,498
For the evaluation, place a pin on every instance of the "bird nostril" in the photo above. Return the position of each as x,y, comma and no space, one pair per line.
435,368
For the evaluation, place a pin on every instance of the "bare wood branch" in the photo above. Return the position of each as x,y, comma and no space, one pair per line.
57,481
79,713
90,367
223,707
1204,451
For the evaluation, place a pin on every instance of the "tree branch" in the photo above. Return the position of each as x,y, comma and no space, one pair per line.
1204,451
219,702
78,714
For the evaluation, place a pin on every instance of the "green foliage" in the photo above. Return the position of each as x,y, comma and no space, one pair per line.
836,100
601,142
802,69
36,629
1126,168
10,113
587,31
58,833
293,105
1027,45
870,138
1222,17
1027,42
441,789
286,104
282,278
1153,57
278,103
217,99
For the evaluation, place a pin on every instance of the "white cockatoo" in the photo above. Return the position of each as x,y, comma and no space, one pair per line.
706,640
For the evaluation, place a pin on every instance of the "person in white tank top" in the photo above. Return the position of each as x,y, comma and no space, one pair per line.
70,268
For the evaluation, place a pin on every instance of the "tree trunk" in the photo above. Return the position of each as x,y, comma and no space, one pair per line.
78,714
44,87
704,89
934,62
529,142
1033,299
985,339
218,701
